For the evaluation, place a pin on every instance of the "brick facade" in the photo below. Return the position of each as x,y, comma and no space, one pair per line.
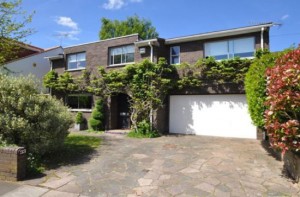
12,163
97,54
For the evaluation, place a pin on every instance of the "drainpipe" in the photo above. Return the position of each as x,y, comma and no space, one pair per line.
151,110
151,51
262,38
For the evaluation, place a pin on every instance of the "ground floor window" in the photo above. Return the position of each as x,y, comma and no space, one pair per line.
79,101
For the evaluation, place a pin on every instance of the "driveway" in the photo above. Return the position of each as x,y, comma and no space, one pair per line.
173,166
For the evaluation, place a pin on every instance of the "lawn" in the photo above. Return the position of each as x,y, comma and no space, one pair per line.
77,149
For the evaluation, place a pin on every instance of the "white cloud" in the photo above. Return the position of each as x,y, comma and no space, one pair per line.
114,4
67,22
285,17
68,34
118,4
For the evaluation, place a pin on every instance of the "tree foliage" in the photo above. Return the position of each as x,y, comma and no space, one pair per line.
13,23
255,85
39,123
133,24
282,115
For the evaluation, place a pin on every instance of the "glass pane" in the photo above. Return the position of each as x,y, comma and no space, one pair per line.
85,102
72,65
244,47
175,60
81,57
128,49
246,54
81,64
72,102
217,49
117,59
129,57
72,58
175,50
117,51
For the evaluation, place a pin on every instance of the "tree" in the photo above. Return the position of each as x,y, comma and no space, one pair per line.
282,115
13,23
133,24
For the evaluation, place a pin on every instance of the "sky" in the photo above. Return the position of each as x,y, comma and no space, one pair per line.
71,22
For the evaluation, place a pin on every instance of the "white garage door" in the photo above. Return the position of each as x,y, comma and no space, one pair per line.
211,115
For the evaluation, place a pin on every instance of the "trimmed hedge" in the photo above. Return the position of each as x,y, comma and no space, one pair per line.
255,85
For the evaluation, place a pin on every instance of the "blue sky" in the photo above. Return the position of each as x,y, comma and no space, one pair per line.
79,20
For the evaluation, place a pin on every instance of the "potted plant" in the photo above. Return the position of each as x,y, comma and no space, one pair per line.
79,121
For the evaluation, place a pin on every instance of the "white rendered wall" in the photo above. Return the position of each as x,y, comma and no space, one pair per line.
36,65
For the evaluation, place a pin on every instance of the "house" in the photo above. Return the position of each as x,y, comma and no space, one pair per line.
35,64
211,110
21,50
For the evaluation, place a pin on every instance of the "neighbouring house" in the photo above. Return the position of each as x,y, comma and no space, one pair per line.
212,110
36,64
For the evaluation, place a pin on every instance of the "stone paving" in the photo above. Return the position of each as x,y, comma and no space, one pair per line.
172,166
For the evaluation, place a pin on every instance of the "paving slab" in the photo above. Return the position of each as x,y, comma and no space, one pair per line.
26,191
7,187
173,165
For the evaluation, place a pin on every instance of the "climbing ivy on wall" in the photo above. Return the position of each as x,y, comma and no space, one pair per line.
148,83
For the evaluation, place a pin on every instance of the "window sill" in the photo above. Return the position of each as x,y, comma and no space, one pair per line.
119,65
80,110
78,69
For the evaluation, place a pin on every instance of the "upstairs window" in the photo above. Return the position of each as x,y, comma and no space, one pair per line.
121,55
243,47
76,61
175,55
79,101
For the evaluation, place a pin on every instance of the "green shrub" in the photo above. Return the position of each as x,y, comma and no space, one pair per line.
79,119
38,122
143,131
255,85
96,122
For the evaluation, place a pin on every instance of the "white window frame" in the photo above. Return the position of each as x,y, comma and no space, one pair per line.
171,60
74,69
228,50
121,64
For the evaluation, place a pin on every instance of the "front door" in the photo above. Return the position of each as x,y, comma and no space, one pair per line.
123,112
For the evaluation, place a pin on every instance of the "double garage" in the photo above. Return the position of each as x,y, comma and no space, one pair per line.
222,115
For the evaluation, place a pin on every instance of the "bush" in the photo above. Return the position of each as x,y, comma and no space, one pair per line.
283,102
143,131
255,85
39,123
79,118
96,121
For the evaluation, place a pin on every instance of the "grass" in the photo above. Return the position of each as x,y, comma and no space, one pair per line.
77,149
134,134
